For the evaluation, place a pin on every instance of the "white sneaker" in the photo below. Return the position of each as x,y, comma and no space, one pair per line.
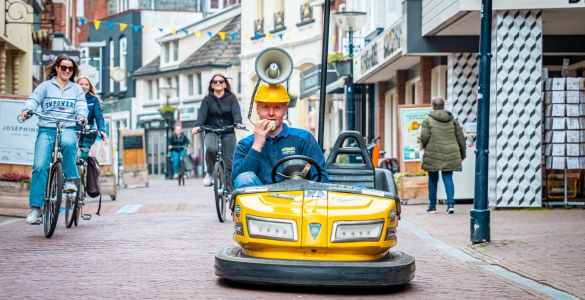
175,176
207,180
70,186
33,216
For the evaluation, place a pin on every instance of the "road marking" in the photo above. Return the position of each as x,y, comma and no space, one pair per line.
460,255
129,209
9,222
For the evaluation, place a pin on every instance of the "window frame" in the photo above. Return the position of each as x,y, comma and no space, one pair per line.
123,59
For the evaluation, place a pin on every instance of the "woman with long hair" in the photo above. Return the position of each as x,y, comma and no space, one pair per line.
95,115
58,96
218,109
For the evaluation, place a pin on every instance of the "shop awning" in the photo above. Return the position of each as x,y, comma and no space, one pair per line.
336,87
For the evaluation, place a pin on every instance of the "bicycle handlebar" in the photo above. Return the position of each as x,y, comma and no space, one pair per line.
30,113
225,129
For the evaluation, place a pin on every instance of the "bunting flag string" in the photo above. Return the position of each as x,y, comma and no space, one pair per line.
136,28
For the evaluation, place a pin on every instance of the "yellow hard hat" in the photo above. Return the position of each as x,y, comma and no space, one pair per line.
272,93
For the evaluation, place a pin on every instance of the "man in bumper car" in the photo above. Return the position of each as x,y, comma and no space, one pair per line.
272,140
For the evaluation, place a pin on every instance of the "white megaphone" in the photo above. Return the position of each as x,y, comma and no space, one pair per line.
273,65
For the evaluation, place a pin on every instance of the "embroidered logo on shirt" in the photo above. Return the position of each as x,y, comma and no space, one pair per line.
288,150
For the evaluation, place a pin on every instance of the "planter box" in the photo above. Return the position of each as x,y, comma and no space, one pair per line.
292,103
134,178
343,68
413,187
108,186
14,198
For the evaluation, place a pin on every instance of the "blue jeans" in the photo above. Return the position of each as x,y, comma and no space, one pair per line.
42,161
247,179
433,185
175,157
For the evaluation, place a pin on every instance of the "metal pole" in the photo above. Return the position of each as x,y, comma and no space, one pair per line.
350,99
167,166
480,214
323,92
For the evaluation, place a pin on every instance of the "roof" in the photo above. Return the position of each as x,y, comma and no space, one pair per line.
214,53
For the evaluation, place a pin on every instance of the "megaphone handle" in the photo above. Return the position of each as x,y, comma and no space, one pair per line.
252,100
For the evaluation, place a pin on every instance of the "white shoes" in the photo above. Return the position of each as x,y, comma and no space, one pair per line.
175,176
207,181
70,187
33,216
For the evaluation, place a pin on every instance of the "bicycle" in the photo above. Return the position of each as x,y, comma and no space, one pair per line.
54,189
74,207
181,170
219,177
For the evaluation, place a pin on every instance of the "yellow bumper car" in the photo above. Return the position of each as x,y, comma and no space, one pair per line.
299,232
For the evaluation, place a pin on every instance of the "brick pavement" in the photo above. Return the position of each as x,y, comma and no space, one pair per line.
166,250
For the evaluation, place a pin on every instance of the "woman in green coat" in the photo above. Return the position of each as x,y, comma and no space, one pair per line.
444,144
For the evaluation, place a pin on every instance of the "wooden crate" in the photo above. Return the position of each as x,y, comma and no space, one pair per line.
414,187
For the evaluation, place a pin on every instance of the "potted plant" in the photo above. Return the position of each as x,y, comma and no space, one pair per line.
412,185
167,111
341,63
293,100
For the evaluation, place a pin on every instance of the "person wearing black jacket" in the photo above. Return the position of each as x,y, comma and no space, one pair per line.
178,147
218,109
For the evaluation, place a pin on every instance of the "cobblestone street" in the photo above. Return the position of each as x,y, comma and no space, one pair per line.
166,248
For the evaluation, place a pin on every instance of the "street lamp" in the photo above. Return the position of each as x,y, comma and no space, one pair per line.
167,91
350,21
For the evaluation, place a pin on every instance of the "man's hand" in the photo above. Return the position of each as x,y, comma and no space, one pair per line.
260,131
195,131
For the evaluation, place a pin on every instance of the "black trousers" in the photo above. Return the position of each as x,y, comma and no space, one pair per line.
228,143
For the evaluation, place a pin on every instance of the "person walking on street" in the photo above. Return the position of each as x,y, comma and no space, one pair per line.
178,142
94,116
219,108
444,144
58,96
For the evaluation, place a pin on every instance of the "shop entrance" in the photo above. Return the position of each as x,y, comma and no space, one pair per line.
155,151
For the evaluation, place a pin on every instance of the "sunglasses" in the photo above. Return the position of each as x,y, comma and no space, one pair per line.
218,81
66,69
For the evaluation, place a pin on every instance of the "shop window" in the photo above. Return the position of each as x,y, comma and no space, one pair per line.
123,61
167,52
191,86
176,50
112,48
150,90
199,85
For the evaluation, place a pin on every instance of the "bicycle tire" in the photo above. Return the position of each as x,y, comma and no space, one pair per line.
53,202
181,176
71,205
219,191
80,195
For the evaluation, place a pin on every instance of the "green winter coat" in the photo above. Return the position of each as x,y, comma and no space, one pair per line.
443,141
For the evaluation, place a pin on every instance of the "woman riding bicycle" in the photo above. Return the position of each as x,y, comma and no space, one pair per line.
218,109
95,115
178,149
58,96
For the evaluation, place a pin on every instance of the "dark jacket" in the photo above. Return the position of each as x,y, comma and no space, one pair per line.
221,112
95,114
443,141
177,141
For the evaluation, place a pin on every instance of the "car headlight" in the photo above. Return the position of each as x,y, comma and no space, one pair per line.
273,229
390,233
356,231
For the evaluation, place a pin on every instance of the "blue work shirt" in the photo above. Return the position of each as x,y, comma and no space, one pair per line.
289,141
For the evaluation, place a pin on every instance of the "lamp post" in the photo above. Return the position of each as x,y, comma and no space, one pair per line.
167,91
350,21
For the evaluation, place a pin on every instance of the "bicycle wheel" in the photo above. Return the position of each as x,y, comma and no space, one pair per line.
71,205
53,203
80,196
181,170
218,189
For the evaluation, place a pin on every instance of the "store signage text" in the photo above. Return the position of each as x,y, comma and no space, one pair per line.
369,58
392,40
389,43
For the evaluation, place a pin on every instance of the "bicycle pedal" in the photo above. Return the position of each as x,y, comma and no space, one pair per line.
38,222
86,217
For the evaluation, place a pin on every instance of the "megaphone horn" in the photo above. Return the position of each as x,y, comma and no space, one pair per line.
273,65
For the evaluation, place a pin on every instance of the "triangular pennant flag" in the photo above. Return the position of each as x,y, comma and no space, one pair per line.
269,36
173,31
136,28
148,29
222,35
333,39
97,23
160,29
186,31
209,34
256,36
234,36
197,33
288,37
82,20
123,26
246,35
111,25
280,36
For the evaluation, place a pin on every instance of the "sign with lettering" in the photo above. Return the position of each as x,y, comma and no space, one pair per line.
132,142
18,139
411,120
47,56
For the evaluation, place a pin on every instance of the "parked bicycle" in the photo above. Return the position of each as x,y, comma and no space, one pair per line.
54,190
219,177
